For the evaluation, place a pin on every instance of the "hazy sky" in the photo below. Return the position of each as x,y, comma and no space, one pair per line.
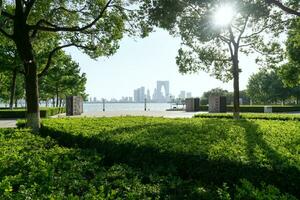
141,62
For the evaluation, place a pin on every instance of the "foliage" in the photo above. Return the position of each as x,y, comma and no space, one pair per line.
260,108
207,150
21,113
64,79
267,87
265,116
155,158
290,72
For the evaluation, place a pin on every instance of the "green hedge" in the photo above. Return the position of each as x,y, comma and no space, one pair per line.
264,116
21,113
259,108
32,167
209,152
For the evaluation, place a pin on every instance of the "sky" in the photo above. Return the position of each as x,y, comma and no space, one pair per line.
142,62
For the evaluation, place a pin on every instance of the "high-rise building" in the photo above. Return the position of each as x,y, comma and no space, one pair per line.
158,95
188,95
139,95
182,94
148,95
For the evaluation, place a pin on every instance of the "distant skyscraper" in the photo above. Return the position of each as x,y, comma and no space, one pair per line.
182,94
139,95
148,95
158,96
188,95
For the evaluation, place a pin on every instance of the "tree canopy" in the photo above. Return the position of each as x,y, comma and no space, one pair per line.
93,26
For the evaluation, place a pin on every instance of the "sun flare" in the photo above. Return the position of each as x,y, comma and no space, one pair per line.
224,15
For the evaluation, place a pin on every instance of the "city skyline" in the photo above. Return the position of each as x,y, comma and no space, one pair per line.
153,59
142,93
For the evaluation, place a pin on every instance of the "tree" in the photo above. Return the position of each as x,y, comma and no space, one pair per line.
94,26
291,9
64,79
216,48
290,72
10,65
267,87
213,92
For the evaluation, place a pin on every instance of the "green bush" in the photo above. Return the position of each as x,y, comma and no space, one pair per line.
200,154
265,116
21,113
259,108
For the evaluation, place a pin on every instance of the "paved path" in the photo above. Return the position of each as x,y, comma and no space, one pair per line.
8,123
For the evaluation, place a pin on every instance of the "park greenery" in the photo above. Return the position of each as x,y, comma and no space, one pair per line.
151,158
34,32
210,156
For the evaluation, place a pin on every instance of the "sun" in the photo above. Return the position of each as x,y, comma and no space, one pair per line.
224,15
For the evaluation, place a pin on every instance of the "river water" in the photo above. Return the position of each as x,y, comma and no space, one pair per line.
98,107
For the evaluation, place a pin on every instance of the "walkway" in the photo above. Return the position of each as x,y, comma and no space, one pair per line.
8,123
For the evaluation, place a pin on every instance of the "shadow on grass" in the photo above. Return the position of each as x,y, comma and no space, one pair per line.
188,166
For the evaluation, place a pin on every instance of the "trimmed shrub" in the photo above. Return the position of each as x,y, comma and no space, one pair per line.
21,113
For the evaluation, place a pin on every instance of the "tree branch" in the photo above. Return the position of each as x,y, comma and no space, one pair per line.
6,34
52,53
29,6
243,29
283,7
55,28
6,14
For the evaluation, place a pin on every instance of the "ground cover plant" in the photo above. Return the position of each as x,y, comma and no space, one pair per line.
265,116
209,151
260,108
21,112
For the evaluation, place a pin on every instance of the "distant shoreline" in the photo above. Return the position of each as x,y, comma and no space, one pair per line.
124,102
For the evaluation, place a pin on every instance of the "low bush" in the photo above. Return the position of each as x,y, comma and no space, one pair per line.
199,154
264,116
21,113
259,108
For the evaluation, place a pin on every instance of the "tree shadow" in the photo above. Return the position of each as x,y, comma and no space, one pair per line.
189,166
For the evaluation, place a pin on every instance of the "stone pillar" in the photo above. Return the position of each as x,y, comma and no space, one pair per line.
217,104
192,104
74,105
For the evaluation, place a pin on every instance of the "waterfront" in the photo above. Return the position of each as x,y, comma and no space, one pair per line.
111,107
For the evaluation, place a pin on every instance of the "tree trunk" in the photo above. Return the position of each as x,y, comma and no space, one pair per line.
13,89
60,102
16,103
32,96
57,98
22,40
236,87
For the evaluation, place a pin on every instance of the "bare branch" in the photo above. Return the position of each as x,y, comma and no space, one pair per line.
283,7
55,28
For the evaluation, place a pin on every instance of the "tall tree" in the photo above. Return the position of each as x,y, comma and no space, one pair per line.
267,87
290,72
94,26
211,44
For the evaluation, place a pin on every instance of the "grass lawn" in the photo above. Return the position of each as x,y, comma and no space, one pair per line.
152,158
